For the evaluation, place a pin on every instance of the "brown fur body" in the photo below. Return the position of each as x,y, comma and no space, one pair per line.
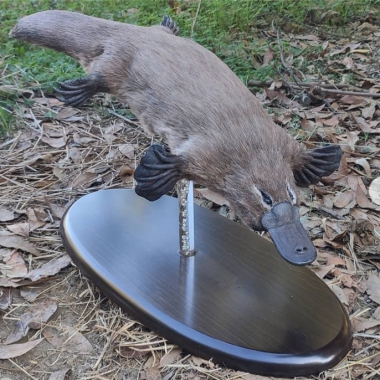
184,93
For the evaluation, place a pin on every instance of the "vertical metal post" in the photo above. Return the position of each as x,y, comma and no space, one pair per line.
186,217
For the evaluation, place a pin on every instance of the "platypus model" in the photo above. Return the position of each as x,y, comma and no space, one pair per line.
218,134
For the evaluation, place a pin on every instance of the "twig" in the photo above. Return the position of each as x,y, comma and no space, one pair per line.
330,212
322,86
195,19
268,83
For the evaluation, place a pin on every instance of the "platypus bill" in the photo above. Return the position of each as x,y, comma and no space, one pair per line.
218,134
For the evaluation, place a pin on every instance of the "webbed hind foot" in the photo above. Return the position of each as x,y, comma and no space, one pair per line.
158,172
168,22
75,92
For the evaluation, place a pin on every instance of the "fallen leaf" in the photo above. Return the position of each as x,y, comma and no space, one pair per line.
362,324
56,209
69,340
21,229
65,112
18,242
151,369
14,350
352,100
59,375
365,165
368,112
39,313
35,218
30,294
268,56
340,294
323,271
5,297
362,199
15,266
213,197
6,215
344,198
127,150
373,287
55,142
170,357
374,191
309,37
32,317
83,180
49,269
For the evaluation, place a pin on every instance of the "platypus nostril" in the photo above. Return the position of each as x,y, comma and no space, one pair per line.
301,250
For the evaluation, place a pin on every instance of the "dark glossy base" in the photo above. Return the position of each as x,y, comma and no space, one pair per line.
236,301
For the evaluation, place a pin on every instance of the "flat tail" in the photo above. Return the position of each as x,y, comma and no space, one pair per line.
74,34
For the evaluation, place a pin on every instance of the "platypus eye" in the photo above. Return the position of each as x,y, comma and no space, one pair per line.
266,198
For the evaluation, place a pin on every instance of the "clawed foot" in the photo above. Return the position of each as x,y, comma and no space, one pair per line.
320,162
75,92
168,22
158,172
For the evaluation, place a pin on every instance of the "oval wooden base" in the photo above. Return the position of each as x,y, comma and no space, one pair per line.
236,301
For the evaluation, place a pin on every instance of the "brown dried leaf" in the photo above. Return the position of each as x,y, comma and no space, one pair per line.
14,350
362,324
340,294
170,357
59,375
35,219
368,112
39,313
84,180
365,165
29,293
352,139
268,56
69,340
75,155
213,197
56,209
373,287
362,199
49,269
33,317
127,150
6,215
352,100
128,352
55,142
324,271
18,242
281,98
343,199
21,229
5,297
349,63
15,266
65,112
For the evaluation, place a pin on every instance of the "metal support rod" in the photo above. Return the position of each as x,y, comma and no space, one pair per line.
186,217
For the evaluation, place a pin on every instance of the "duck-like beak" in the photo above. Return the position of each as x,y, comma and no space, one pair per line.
288,235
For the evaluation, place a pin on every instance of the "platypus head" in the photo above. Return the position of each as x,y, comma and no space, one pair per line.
262,193
266,198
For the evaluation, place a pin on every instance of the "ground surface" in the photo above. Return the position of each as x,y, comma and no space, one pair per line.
57,154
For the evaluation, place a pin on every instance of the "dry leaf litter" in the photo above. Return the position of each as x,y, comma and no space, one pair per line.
57,325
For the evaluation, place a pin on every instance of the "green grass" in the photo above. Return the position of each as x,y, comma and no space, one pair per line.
229,28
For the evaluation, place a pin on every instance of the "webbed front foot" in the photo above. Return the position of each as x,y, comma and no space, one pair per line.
158,172
75,92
